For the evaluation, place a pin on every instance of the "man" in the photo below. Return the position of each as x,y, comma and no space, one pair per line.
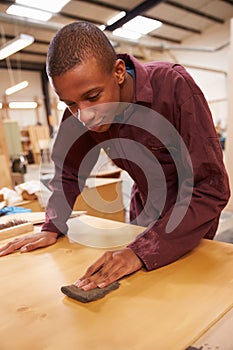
154,122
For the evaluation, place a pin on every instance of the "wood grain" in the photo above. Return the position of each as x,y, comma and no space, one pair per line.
164,309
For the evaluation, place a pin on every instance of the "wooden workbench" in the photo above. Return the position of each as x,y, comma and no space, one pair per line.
165,309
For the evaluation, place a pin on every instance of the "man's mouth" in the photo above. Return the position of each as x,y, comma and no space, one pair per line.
94,126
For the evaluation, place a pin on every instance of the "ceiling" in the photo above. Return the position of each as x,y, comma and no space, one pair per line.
180,19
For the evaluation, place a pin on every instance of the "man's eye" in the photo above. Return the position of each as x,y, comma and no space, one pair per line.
93,97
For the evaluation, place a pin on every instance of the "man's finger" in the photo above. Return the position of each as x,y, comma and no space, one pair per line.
109,268
99,276
94,268
11,247
110,271
29,242
110,275
114,276
41,242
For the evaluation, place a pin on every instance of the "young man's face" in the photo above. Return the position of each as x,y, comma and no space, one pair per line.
88,89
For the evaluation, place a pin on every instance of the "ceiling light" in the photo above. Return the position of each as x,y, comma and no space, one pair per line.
126,34
15,45
142,24
16,87
23,105
28,12
50,6
102,27
0,105
116,18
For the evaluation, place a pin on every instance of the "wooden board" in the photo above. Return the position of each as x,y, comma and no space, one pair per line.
165,309
16,230
33,217
5,175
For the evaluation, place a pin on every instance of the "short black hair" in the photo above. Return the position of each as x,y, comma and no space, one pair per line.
74,44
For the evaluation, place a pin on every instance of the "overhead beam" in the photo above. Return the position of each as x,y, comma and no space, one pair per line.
24,65
195,11
112,7
56,26
176,25
104,4
78,18
29,52
40,42
160,37
146,5
118,8
138,10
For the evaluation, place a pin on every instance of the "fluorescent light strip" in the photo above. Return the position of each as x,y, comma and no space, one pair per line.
29,13
126,34
51,6
116,18
102,27
17,87
15,45
141,24
23,105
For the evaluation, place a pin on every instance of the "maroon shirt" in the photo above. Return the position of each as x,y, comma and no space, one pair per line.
167,143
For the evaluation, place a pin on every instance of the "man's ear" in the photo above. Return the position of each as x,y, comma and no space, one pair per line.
120,71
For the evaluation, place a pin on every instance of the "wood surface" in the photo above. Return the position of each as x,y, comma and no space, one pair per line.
165,309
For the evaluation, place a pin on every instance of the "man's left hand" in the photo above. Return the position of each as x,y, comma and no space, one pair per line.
110,267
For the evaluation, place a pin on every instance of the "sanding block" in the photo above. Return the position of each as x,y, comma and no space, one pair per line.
86,296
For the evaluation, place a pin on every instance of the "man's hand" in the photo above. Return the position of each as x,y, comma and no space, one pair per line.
111,266
29,242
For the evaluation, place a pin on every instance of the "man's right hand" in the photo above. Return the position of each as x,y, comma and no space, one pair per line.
29,242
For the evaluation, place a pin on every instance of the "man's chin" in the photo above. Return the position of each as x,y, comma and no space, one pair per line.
100,128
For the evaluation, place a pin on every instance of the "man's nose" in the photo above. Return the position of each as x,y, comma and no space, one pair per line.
86,115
